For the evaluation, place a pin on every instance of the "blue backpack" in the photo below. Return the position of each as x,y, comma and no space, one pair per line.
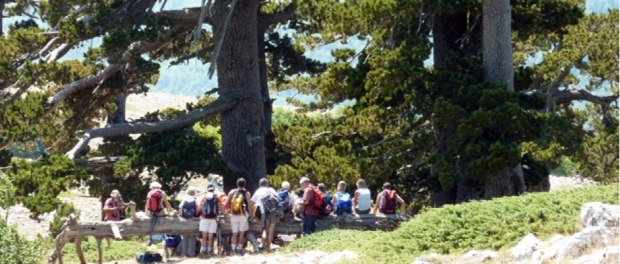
328,200
343,201
284,197
172,240
189,207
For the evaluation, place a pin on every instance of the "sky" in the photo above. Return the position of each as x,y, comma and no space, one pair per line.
174,80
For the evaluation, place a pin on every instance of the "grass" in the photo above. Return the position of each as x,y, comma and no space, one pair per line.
497,224
119,250
68,194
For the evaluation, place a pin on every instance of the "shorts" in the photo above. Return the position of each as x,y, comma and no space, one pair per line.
161,213
239,223
208,225
269,220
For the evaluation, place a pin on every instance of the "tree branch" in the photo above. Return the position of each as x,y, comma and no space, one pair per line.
575,94
97,162
220,39
220,105
135,48
288,13
199,54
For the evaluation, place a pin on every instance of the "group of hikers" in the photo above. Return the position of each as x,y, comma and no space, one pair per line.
266,205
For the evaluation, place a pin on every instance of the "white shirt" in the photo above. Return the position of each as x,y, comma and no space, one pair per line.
363,200
262,191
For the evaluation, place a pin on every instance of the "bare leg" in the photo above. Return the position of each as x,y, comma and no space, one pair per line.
241,241
270,232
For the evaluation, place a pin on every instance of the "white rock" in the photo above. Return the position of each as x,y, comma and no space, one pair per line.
579,244
340,256
525,248
421,261
598,214
606,255
480,255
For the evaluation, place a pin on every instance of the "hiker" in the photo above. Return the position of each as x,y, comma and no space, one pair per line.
313,202
328,200
342,200
387,199
298,208
270,208
287,199
361,198
155,201
238,204
113,207
113,210
189,210
209,212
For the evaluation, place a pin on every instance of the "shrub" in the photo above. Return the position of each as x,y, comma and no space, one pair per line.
495,224
63,210
118,250
16,249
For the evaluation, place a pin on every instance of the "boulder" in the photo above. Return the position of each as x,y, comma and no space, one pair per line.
607,255
480,256
577,245
598,214
523,251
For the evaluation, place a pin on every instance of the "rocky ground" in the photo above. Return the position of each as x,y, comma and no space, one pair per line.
89,206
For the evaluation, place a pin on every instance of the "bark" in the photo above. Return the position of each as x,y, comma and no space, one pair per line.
271,157
447,29
141,225
1,16
237,71
574,94
220,105
97,162
498,64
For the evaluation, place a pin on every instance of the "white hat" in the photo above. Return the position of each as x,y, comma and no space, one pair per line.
303,179
115,193
155,185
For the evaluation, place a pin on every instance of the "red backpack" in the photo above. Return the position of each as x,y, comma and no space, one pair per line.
154,201
319,199
388,202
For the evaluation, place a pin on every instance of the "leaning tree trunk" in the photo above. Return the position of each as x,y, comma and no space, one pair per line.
271,157
237,73
498,64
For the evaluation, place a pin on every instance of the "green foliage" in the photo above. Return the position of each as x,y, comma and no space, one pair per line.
7,193
15,248
63,211
496,224
533,171
38,183
566,168
119,250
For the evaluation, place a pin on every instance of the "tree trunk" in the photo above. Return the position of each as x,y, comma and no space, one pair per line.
237,71
447,29
498,64
139,226
271,157
1,19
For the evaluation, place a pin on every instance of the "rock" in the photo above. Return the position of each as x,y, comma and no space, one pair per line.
525,248
606,255
578,244
340,256
598,214
428,259
480,256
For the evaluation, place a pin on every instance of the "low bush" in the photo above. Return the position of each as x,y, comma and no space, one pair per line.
63,210
118,250
496,224
15,248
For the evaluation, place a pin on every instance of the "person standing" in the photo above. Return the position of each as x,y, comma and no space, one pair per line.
361,198
311,197
189,210
238,203
209,212
269,220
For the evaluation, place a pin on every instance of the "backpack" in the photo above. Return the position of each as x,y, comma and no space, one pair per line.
319,200
272,203
148,257
238,202
172,240
283,194
223,202
343,201
154,201
189,207
388,203
210,206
